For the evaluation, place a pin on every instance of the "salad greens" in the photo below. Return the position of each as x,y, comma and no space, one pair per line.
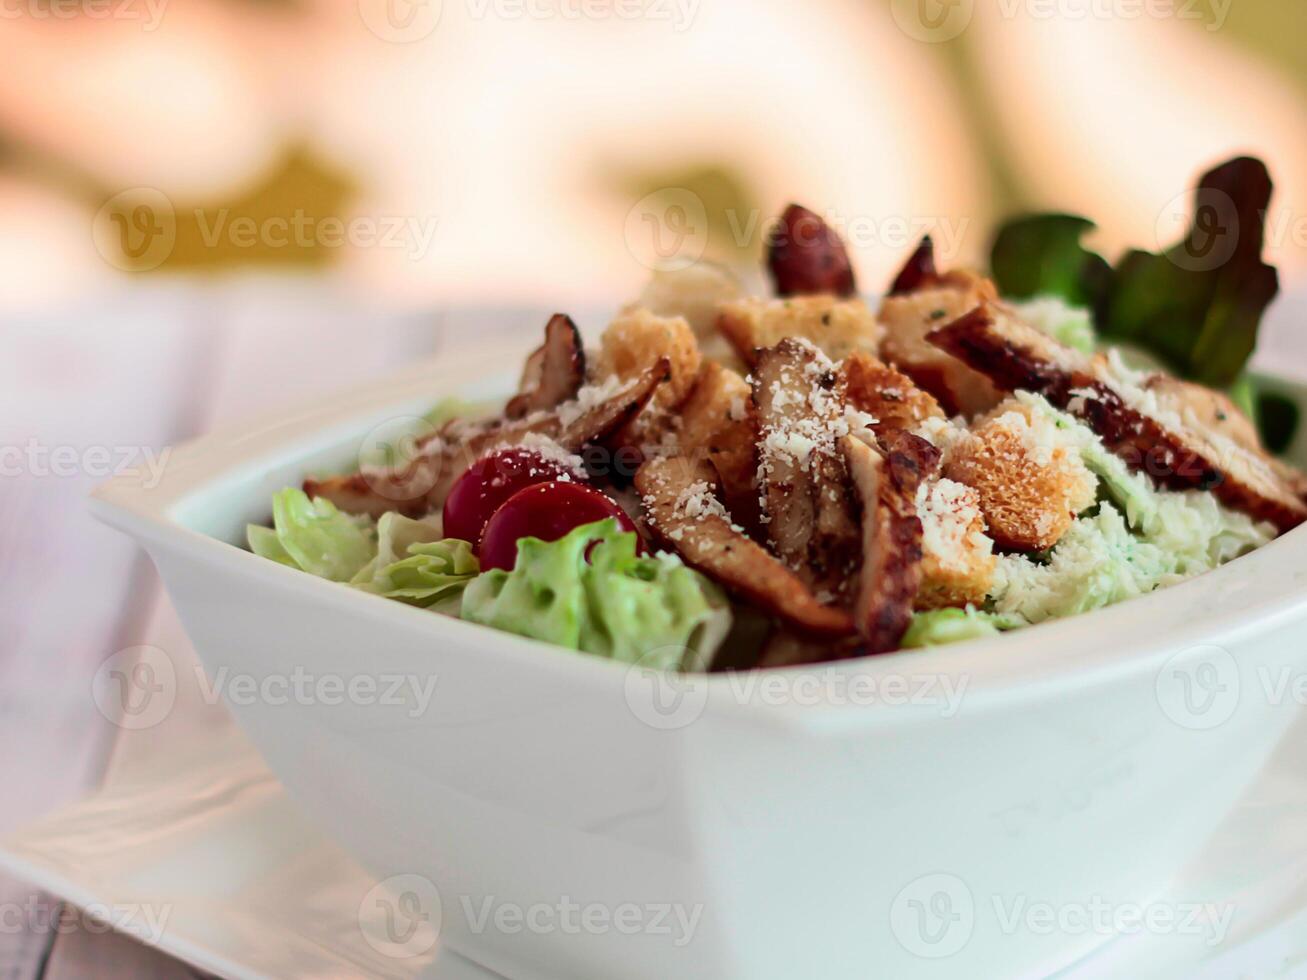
937,627
1196,306
396,557
651,611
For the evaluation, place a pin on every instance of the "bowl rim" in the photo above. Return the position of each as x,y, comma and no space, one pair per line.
1139,635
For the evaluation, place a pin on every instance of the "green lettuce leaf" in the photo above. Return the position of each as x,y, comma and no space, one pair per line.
652,611
1041,255
414,564
314,536
937,627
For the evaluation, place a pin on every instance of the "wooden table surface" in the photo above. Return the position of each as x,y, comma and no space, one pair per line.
139,372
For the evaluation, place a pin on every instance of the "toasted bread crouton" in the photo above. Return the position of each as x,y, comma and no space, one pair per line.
837,327
958,559
1130,420
1031,486
694,293
637,339
907,318
719,419
889,396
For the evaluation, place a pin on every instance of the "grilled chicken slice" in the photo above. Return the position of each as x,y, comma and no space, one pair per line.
891,535
554,373
1131,421
811,518
807,257
680,497
421,486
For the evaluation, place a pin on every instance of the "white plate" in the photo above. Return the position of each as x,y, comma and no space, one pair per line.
207,860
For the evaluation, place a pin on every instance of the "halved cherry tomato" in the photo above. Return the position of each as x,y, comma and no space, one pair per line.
548,512
491,480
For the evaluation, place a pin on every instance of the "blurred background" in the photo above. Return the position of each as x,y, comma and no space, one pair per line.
422,151
214,208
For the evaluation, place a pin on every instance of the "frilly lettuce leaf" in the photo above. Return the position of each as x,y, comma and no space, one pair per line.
314,536
652,611
937,627
414,564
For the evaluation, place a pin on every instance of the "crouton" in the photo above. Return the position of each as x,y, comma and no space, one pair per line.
907,318
958,561
889,396
1130,420
719,419
838,327
637,339
1031,488
694,293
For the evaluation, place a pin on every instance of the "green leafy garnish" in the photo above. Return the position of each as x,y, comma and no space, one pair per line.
1041,255
652,611
414,564
1196,306
314,536
937,627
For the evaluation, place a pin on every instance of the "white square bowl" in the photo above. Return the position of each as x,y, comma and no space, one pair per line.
878,817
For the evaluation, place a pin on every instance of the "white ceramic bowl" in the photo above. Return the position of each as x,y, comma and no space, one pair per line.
839,823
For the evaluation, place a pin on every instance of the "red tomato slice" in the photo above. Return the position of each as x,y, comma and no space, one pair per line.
548,512
489,482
